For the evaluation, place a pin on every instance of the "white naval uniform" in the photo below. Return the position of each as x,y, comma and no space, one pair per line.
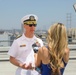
22,50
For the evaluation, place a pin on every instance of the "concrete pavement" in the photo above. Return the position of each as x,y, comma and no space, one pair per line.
70,68
6,68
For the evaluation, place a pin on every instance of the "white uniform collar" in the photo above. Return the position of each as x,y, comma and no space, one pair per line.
28,39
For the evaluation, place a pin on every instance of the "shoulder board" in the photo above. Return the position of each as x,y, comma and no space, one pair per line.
18,36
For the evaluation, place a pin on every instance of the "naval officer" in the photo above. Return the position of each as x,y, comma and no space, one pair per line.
21,52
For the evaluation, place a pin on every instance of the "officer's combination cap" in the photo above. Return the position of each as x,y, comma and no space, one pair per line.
29,19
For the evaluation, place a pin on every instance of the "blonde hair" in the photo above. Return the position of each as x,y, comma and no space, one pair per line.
57,42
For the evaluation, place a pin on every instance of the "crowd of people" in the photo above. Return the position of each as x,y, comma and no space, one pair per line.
47,60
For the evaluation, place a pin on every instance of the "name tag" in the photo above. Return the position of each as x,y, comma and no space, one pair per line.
22,45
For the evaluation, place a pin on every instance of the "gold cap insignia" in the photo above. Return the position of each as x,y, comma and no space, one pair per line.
32,18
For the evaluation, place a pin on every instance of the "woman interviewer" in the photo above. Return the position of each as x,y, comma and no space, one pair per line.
54,57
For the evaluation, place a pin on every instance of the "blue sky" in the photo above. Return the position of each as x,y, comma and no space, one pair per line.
48,12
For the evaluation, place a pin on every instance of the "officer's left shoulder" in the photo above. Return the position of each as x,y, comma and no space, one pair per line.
38,39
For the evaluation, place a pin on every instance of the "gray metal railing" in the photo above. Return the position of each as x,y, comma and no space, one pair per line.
4,56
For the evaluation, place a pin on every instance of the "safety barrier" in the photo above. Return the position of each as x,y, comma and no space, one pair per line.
5,57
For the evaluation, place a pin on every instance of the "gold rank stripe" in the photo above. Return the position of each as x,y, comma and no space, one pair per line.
30,22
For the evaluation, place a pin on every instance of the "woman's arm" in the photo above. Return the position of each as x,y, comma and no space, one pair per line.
66,55
38,58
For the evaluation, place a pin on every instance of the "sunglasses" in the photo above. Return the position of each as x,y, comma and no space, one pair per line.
30,25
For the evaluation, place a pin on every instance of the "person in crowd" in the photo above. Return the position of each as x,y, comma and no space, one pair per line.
21,52
53,58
